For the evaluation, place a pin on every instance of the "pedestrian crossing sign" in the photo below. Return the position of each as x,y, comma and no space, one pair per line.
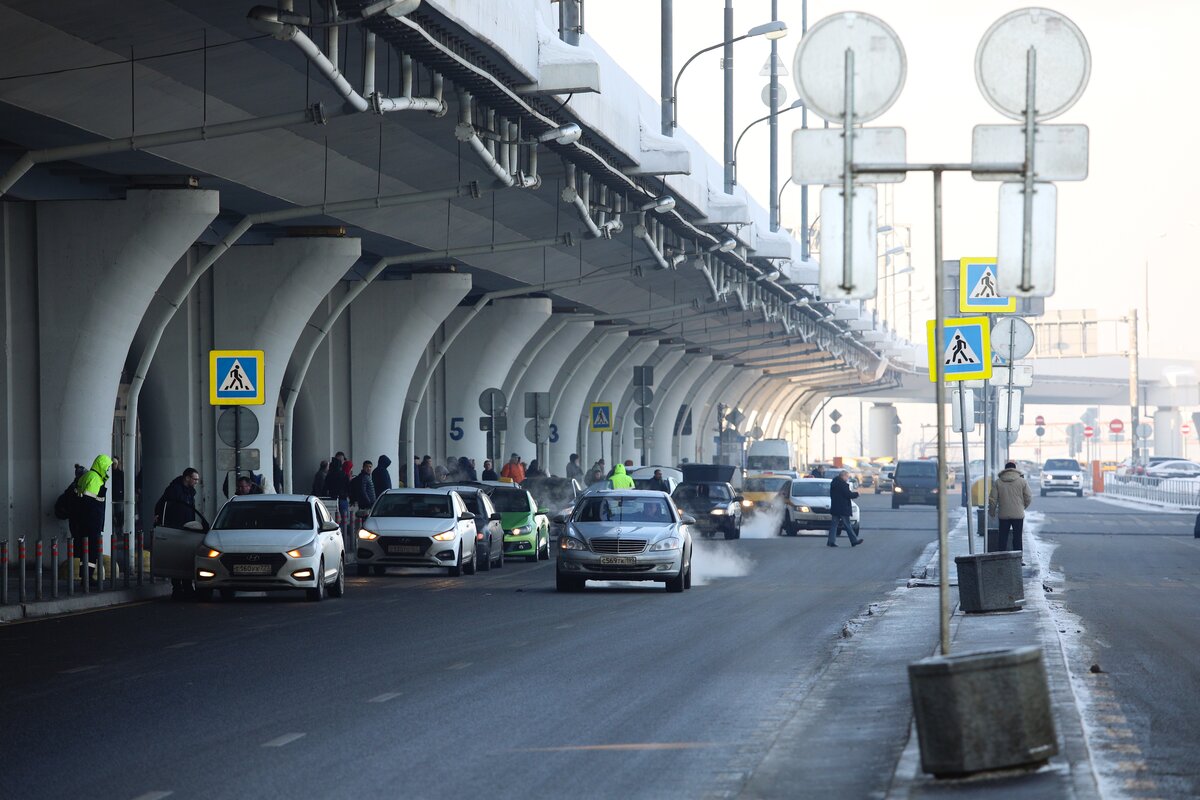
965,350
977,288
601,416
235,377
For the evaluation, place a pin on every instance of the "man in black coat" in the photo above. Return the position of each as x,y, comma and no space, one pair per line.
840,510
177,506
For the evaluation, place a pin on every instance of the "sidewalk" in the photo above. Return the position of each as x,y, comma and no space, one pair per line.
16,611
853,733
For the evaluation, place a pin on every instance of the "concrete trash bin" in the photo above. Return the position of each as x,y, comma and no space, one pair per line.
990,582
980,711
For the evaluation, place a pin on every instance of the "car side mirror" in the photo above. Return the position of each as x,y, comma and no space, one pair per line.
329,527
559,519
495,517
688,519
194,525
543,510
466,516
739,499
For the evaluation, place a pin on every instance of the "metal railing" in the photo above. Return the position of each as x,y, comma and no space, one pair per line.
82,575
1182,492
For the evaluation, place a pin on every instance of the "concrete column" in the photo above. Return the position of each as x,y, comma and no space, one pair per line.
667,406
538,376
663,360
696,400
389,325
728,394
99,264
882,438
569,397
262,299
1168,441
480,359
610,384
785,411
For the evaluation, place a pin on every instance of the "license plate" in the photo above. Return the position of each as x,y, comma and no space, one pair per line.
403,549
251,569
620,560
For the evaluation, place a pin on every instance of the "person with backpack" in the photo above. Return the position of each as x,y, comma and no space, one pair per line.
177,505
87,514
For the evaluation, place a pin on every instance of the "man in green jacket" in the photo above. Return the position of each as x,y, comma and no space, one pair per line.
87,517
620,479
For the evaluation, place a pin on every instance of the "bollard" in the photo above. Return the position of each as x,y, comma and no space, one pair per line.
21,565
100,564
70,566
138,539
113,562
4,572
54,567
83,566
127,541
38,574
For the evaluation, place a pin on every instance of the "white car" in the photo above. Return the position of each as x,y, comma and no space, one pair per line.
806,506
259,542
1062,475
1178,468
418,528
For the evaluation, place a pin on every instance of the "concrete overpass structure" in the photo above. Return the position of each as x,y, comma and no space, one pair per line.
401,209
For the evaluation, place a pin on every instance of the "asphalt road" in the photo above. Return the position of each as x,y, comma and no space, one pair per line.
1133,579
417,685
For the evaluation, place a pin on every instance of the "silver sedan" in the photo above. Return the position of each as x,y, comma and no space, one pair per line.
625,535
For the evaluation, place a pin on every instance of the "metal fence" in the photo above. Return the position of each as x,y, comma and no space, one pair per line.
48,570
1182,492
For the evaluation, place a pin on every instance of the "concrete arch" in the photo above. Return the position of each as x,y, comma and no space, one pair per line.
686,444
724,393
663,360
390,324
569,397
668,405
538,376
614,379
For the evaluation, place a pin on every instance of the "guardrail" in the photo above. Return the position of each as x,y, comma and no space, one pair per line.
56,578
1172,492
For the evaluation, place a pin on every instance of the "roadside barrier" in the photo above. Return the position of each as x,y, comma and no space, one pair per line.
1171,492
124,569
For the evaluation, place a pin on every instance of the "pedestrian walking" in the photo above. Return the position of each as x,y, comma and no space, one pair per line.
1009,498
841,512
87,515
380,477
573,469
488,473
318,484
513,470
177,505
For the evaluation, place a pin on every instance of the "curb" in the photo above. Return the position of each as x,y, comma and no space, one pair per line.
43,609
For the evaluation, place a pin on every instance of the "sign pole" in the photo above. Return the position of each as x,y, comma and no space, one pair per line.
962,415
940,382
237,445
989,445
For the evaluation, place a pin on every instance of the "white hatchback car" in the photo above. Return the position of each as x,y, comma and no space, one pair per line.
258,542
418,528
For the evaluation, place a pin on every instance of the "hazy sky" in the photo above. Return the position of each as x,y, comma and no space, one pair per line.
1136,208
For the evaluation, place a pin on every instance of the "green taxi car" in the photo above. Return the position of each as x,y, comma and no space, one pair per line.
526,527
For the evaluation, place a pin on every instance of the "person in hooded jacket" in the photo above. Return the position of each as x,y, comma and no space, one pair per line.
620,479
1009,498
318,484
87,514
381,478
466,470
337,485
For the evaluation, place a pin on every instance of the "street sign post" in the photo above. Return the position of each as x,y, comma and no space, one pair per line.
1088,431
601,417
1039,420
494,403
236,377
1116,426
965,351
977,288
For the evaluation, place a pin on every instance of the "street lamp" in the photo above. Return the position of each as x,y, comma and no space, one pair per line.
738,143
772,30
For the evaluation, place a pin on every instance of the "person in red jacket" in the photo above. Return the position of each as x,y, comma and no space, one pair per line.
513,469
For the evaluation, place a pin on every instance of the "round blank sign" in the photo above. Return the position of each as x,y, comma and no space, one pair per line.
1064,62
1012,338
819,67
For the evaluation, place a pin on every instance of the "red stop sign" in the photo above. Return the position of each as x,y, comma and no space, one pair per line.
1088,431
1185,428
1116,426
1040,420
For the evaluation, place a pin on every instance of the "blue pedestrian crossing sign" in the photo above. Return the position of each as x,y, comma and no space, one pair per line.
977,288
235,377
601,416
965,350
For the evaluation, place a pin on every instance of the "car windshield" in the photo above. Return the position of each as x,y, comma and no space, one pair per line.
432,506
763,484
624,509
510,501
1062,463
279,516
917,469
717,492
810,488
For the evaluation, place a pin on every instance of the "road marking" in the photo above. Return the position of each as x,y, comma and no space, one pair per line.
459,665
633,746
76,670
179,645
153,795
286,739
564,626
1111,719
383,698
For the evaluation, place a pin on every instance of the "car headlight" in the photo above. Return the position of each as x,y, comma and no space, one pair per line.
304,551
718,512
803,509
899,490
571,543
211,553
934,490
369,535
747,503
445,536
670,543
524,530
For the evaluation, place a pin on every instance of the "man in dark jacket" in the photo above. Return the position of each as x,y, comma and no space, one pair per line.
380,477
362,488
840,509
425,471
337,484
177,506
318,484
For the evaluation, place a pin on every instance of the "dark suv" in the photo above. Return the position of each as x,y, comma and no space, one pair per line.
915,482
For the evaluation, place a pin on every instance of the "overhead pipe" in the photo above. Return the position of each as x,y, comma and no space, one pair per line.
641,231
572,193
175,301
465,132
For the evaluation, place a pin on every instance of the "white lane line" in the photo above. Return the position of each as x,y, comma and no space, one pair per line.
78,669
460,665
286,739
153,795
383,698
180,645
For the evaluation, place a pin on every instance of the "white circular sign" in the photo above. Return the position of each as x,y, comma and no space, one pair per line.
1012,338
1064,62
780,93
819,66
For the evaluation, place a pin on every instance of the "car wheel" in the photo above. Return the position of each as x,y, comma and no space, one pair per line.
457,569
895,503
204,595
1079,493
227,594
363,570
567,583
687,582
317,593
471,566
547,551
182,590
380,569
676,584
338,587
487,559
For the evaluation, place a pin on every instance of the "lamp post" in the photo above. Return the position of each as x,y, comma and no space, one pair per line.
738,143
